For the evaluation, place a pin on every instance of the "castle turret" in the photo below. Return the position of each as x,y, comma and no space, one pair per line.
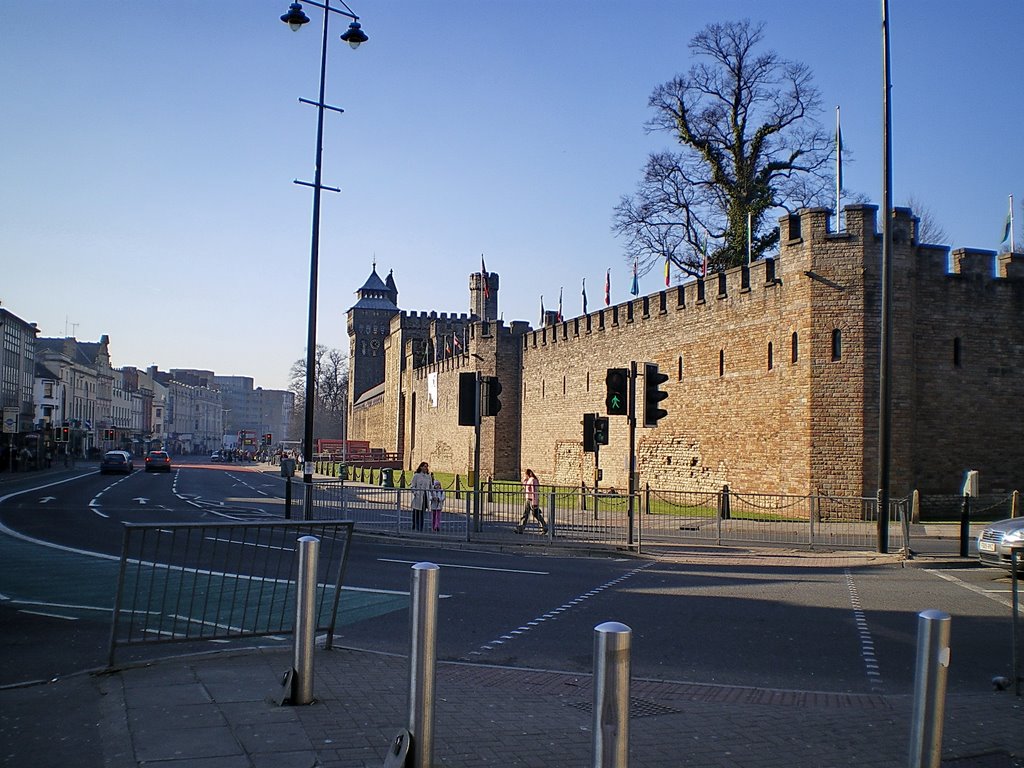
369,321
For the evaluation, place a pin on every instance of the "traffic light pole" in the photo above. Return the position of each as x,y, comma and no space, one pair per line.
631,420
476,455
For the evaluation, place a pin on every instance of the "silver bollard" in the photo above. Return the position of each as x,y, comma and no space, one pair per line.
929,688
612,642
422,659
305,620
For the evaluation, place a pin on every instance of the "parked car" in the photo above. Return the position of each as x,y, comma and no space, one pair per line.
117,461
158,461
996,540
215,456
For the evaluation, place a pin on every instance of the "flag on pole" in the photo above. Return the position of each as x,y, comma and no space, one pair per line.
542,310
839,155
447,347
704,267
486,278
635,287
458,344
584,295
608,288
559,305
839,171
1008,231
668,273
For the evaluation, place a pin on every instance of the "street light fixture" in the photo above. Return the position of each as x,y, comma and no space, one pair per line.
295,18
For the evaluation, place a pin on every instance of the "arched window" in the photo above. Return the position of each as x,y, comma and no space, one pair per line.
837,344
771,356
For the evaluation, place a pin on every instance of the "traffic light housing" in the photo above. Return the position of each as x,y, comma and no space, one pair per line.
489,392
653,379
108,434
616,401
595,431
65,434
268,439
467,399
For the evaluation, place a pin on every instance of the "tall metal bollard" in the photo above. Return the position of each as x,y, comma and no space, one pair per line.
929,688
422,660
612,642
305,620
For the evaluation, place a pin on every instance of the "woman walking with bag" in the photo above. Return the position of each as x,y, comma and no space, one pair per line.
421,486
531,488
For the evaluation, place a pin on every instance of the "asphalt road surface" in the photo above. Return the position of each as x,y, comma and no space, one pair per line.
834,629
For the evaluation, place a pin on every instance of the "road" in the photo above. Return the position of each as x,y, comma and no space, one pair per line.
821,628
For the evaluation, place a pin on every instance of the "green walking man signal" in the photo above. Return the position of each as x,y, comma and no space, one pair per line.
616,401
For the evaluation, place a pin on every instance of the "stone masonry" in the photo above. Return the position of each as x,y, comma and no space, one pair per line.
773,373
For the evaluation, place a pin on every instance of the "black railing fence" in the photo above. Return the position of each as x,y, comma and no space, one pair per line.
619,519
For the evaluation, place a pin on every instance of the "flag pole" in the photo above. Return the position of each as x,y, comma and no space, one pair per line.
750,238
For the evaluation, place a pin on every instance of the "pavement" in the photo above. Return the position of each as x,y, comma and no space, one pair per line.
221,710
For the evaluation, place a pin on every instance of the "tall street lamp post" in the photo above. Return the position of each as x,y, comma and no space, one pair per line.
354,36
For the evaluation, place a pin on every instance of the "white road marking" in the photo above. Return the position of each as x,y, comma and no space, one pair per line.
512,634
468,567
989,593
49,615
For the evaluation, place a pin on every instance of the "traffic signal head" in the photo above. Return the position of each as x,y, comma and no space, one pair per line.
467,399
600,430
268,439
588,432
616,401
489,402
653,379
65,434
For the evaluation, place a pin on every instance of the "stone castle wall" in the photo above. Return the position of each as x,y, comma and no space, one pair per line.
773,374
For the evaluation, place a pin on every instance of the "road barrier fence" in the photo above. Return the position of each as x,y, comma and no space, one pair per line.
181,582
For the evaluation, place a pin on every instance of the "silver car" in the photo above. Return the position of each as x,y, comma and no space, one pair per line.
996,540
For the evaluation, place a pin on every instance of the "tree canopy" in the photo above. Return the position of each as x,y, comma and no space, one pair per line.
750,143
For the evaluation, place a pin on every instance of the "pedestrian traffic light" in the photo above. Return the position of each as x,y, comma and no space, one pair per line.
653,379
489,392
588,432
65,434
600,430
467,399
616,400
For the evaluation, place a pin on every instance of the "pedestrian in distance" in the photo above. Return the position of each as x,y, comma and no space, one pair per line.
436,504
531,489
421,486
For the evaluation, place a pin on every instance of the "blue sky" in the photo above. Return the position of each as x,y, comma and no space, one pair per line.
147,162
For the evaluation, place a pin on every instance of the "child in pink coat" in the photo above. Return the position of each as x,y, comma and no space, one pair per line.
436,503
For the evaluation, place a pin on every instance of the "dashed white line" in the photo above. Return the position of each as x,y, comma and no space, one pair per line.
553,614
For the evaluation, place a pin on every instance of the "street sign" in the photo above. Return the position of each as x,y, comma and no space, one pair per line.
11,416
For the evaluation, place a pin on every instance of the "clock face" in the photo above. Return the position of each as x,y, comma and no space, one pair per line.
375,343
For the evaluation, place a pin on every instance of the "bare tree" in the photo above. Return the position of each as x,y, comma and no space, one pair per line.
751,142
929,230
331,383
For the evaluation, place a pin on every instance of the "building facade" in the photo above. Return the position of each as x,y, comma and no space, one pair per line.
773,372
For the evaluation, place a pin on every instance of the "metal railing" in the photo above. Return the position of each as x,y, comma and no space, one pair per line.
578,515
196,581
